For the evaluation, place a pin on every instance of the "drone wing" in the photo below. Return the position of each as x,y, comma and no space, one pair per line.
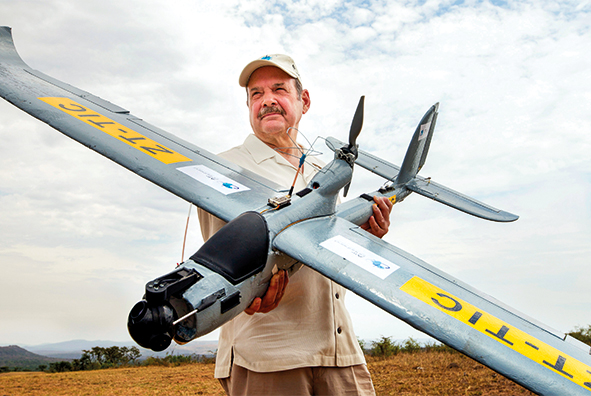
441,306
218,186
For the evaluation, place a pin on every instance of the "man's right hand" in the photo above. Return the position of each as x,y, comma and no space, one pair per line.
272,297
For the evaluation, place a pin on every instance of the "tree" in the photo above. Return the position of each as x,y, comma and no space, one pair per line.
132,354
95,355
99,357
582,334
60,367
84,363
113,356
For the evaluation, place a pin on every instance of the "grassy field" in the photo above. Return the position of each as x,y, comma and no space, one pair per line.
425,373
439,373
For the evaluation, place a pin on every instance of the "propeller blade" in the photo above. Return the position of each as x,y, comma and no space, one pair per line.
346,189
357,123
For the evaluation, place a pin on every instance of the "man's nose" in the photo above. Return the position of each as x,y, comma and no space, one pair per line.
269,99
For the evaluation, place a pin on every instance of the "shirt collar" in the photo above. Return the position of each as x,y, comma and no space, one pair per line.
261,152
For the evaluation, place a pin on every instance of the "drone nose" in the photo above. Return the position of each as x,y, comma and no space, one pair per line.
151,326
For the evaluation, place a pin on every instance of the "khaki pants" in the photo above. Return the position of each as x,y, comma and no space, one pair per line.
353,380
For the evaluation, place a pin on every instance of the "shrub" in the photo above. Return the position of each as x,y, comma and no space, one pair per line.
362,345
384,348
177,360
410,345
433,346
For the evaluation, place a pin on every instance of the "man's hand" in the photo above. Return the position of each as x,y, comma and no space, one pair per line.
379,223
272,297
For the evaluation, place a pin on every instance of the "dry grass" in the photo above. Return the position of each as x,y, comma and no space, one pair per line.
438,373
189,379
432,373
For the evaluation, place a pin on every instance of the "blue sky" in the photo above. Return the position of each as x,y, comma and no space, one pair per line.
80,236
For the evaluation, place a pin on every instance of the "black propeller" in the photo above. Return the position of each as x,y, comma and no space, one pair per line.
356,126
355,130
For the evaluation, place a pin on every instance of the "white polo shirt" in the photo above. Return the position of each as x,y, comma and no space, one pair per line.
311,326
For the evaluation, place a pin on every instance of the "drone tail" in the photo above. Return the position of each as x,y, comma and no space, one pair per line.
416,154
405,179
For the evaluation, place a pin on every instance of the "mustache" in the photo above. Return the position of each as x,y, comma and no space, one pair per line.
271,109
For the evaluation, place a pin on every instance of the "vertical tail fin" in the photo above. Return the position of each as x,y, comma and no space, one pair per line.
419,147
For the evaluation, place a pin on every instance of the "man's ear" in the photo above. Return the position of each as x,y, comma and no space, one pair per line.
306,101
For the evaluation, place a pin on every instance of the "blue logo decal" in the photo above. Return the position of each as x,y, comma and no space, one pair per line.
231,186
380,265
266,57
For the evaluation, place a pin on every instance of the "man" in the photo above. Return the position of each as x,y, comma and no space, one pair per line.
297,339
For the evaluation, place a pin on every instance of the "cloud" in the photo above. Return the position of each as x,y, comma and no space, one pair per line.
513,85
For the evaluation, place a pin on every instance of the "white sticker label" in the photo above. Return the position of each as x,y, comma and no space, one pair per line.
424,131
213,179
360,256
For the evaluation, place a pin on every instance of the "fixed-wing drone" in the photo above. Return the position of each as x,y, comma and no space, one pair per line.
218,283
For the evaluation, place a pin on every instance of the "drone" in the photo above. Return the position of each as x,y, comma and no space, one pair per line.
270,227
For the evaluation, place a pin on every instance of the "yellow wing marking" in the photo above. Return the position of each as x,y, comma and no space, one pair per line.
116,130
505,334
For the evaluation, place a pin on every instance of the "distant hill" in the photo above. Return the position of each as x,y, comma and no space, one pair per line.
73,349
14,356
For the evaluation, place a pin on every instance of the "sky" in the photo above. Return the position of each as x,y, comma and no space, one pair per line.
80,236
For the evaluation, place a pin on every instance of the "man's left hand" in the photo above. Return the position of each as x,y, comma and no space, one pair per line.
272,296
379,223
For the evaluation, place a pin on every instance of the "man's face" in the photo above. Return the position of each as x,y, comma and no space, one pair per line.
274,105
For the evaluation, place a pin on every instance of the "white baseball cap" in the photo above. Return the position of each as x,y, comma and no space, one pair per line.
281,61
